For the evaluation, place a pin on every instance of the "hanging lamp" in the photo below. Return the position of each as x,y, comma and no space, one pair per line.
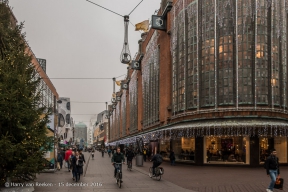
125,56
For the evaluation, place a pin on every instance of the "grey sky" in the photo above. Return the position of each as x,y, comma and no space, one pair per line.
79,39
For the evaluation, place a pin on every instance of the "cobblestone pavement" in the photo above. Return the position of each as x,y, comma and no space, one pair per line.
100,172
218,179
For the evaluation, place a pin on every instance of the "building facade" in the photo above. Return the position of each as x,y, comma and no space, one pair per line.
212,87
101,129
65,121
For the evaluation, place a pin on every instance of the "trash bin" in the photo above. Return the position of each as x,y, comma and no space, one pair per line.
139,160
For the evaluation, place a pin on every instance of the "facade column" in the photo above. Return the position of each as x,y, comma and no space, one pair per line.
199,148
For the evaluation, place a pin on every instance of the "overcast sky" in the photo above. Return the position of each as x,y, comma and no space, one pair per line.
79,39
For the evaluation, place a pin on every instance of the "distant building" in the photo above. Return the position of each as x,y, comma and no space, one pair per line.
92,127
101,129
80,134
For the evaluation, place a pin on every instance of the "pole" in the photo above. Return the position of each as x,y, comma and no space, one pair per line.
114,79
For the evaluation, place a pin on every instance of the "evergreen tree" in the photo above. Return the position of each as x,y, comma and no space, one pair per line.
23,139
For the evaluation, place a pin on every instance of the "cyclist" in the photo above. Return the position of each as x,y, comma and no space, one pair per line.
117,157
129,156
157,160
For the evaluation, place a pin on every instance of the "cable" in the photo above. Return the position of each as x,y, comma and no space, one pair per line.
85,102
74,78
135,7
82,77
104,8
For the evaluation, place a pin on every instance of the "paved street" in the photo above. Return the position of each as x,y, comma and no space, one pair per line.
100,171
176,178
218,179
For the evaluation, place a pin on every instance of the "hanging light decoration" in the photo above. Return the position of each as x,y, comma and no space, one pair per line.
125,56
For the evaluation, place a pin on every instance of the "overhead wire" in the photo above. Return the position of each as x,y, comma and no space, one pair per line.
105,8
83,77
135,7
115,12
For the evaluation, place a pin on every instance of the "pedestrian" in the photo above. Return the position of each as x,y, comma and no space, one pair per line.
102,151
109,152
144,154
82,155
73,168
172,157
68,153
272,169
59,160
63,153
149,154
77,162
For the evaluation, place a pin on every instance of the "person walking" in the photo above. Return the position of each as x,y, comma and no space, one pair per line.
71,165
149,154
109,152
103,150
172,157
272,169
77,163
68,153
59,160
144,154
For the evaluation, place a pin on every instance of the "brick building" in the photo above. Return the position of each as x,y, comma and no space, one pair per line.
212,87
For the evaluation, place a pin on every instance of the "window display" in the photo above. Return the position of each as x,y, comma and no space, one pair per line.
226,150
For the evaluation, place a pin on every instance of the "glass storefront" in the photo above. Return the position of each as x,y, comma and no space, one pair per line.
268,143
184,149
165,149
226,150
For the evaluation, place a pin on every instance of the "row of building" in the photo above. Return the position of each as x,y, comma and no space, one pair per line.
212,83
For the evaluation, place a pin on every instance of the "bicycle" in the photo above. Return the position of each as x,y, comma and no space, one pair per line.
158,172
118,174
129,165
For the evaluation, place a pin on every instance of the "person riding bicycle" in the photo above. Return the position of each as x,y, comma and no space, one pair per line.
92,155
117,157
129,155
157,160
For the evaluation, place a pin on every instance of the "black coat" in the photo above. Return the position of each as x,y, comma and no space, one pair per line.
272,163
172,156
77,168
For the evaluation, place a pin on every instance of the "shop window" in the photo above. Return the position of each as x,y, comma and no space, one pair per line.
226,150
184,149
269,143
165,149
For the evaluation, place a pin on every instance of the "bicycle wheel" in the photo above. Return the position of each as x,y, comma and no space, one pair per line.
158,177
150,172
119,183
119,180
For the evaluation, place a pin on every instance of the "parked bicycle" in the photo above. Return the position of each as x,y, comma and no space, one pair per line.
118,174
158,172
129,165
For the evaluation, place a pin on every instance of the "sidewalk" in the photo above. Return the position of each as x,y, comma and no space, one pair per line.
218,179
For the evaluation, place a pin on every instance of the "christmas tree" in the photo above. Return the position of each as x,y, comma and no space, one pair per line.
23,140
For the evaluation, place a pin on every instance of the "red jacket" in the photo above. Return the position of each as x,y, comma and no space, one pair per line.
67,154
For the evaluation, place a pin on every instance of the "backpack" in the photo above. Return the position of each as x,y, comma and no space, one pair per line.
159,159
